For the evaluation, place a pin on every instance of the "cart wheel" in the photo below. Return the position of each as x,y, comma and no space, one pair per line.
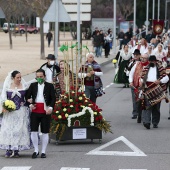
100,141
168,118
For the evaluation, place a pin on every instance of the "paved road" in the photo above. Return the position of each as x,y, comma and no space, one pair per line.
131,146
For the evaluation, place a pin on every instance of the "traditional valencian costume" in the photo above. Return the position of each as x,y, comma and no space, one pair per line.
121,77
14,132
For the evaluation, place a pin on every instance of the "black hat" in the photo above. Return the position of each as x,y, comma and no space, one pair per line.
51,57
137,52
152,58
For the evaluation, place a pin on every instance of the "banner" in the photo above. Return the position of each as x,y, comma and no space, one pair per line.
158,26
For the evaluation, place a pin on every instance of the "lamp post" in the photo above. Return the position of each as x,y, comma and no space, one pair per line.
134,18
153,10
166,2
78,29
158,9
56,27
147,12
114,21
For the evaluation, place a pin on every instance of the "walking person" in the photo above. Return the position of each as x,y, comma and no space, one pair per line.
49,37
50,68
41,97
14,131
134,77
153,76
124,57
91,72
97,44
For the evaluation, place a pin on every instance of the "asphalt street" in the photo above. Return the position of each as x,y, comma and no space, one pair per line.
130,147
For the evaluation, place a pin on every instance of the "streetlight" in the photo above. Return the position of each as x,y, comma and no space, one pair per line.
166,10
134,18
114,30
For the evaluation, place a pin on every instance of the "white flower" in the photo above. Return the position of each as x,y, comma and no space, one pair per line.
59,116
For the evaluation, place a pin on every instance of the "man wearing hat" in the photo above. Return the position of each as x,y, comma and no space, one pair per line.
134,79
50,68
153,75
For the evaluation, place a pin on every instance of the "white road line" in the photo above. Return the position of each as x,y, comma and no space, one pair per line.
136,151
68,168
16,168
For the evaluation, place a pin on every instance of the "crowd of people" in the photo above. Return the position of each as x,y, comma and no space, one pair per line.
101,41
35,102
142,64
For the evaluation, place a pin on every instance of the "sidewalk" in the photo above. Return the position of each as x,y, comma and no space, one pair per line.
25,56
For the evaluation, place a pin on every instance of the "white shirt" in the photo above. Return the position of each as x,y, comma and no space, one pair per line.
40,96
125,56
49,74
152,76
131,74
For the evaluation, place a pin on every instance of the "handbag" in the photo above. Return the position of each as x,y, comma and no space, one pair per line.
99,88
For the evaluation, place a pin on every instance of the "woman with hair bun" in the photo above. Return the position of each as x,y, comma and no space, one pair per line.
14,132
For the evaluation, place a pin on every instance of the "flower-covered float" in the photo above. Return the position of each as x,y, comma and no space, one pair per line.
74,110
74,115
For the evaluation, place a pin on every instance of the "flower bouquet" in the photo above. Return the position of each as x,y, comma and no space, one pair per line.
74,109
8,106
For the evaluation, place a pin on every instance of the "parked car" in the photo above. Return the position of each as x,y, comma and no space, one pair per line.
5,27
30,29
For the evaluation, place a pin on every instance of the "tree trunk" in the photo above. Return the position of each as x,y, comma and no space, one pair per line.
26,33
10,36
42,50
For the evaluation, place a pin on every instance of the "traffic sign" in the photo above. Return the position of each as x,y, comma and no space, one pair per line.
2,15
73,8
62,14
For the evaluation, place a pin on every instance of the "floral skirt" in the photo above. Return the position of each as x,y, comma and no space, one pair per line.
15,130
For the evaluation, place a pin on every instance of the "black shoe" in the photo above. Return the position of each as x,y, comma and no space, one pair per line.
43,155
139,119
134,117
147,125
155,126
34,155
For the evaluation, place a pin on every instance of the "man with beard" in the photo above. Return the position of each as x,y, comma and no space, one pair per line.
134,79
153,75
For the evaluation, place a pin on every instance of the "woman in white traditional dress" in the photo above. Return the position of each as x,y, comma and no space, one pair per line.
161,55
14,132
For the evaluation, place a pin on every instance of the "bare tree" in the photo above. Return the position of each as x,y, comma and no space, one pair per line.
40,7
125,8
9,8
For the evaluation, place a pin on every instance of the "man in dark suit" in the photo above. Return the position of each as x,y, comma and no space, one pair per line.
41,97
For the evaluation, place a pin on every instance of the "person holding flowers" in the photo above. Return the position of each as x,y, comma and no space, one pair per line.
14,132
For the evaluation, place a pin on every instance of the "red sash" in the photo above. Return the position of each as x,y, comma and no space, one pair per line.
39,108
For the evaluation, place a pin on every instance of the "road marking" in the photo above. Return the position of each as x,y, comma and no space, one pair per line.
68,168
136,151
108,86
16,168
132,169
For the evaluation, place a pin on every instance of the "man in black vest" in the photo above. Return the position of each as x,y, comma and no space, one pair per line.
41,97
